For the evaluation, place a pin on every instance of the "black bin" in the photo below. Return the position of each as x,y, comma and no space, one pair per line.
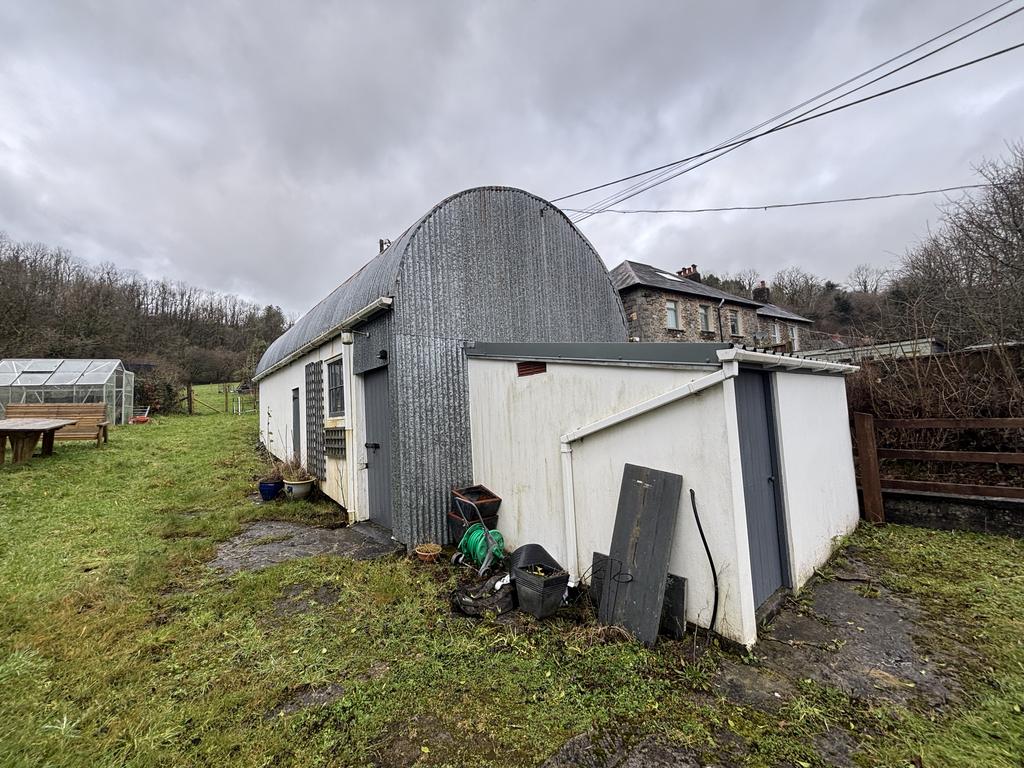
540,593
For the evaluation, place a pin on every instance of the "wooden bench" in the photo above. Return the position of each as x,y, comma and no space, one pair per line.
91,417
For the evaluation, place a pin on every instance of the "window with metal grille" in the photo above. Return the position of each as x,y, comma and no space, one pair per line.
335,389
530,368
334,442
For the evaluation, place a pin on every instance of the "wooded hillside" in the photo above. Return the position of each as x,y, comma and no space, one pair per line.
54,305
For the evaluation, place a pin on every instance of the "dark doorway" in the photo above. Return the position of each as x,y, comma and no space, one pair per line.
765,526
296,426
378,444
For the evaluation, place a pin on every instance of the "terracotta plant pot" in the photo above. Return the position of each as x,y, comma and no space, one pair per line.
428,553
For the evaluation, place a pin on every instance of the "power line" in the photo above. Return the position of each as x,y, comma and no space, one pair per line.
731,142
772,206
650,183
841,107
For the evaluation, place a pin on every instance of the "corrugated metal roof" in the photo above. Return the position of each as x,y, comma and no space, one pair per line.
376,278
630,273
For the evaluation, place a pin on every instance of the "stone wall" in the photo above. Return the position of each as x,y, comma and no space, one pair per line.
646,319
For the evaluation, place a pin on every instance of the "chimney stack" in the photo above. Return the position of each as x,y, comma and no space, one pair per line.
690,273
762,294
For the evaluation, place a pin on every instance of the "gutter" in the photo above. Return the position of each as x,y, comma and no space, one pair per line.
769,360
729,370
360,316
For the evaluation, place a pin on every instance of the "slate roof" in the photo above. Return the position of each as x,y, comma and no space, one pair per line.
631,273
773,310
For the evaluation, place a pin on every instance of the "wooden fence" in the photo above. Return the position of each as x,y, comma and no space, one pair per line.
872,483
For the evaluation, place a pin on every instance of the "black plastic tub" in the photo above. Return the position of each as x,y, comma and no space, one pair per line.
540,595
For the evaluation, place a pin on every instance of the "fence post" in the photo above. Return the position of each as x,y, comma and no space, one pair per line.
867,455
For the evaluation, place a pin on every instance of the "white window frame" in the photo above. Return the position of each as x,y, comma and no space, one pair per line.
735,328
704,312
671,305
776,332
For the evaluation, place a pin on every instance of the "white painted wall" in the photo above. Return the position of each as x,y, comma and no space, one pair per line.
343,479
816,458
516,424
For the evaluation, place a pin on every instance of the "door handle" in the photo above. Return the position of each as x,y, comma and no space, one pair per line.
373,446
771,479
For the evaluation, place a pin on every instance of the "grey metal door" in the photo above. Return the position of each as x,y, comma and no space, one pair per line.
760,488
378,444
296,426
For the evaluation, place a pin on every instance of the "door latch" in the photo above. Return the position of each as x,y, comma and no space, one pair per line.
373,446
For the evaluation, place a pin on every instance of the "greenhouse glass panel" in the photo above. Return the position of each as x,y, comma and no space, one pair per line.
74,365
59,394
69,381
47,366
32,379
60,378
94,377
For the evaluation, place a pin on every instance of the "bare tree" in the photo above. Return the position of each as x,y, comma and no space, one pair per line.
866,278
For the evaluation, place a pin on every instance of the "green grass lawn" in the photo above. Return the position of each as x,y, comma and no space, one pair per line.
118,646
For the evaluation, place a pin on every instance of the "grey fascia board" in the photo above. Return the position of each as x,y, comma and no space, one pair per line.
353,320
602,352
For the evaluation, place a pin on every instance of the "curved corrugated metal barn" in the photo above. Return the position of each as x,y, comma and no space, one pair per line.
491,264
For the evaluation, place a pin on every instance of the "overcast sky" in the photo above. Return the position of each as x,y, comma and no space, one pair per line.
263,148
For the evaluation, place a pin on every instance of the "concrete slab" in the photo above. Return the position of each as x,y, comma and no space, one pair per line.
269,542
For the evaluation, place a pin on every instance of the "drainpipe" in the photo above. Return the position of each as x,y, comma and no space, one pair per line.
730,369
721,336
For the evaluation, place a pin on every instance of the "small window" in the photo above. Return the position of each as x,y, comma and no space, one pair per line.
705,318
530,368
794,335
672,315
734,323
776,333
335,389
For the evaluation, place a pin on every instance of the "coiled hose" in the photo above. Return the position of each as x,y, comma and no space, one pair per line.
477,545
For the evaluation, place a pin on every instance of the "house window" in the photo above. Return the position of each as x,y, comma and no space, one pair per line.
794,334
335,389
776,333
705,318
672,315
734,323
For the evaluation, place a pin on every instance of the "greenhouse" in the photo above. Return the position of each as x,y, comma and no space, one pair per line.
69,381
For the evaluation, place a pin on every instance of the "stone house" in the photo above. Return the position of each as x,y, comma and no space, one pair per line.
662,306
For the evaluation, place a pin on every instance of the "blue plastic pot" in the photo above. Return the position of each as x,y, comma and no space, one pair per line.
269,491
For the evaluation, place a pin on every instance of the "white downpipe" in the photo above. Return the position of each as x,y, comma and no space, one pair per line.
569,514
729,370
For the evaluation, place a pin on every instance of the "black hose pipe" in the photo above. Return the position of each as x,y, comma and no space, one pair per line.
711,561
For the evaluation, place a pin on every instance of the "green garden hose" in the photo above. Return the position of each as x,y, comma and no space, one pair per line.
476,546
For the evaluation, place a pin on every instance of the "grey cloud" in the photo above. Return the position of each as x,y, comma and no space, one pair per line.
264,147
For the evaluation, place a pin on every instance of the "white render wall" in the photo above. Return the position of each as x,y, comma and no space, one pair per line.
342,483
816,463
516,425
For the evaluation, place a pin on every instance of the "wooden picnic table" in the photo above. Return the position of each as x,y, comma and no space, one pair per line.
25,434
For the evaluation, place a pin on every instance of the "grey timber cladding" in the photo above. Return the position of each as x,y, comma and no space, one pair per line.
491,264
